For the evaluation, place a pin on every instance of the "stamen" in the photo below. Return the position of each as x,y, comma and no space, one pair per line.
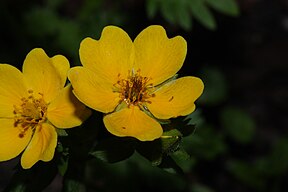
135,89
30,113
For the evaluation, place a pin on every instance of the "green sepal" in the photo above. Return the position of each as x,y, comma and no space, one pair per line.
61,132
155,150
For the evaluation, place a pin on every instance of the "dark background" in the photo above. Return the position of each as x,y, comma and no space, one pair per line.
240,142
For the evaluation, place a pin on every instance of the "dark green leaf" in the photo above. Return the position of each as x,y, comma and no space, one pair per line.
114,149
69,36
169,165
151,150
61,132
238,124
16,187
168,10
200,188
155,150
44,20
36,178
202,13
247,173
54,4
277,161
228,7
63,165
62,160
195,118
152,7
183,15
206,143
89,8
183,160
71,185
181,124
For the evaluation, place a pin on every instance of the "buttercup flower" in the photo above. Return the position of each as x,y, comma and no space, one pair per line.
32,104
132,82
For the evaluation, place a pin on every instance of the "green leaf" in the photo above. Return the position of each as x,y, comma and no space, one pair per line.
277,161
181,124
238,124
228,7
176,12
152,7
62,160
36,178
151,150
72,185
183,15
215,90
89,8
169,165
17,187
61,132
63,165
54,4
44,20
246,173
202,13
168,10
155,150
183,160
68,37
114,149
200,188
195,118
206,143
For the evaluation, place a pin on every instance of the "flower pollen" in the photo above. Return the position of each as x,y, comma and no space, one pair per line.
135,89
30,113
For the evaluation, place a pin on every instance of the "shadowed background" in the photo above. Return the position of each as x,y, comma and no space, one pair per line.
240,142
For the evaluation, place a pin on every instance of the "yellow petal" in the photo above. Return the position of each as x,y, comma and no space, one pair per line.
41,147
62,65
66,111
109,56
11,144
93,90
41,75
176,98
133,122
12,89
157,56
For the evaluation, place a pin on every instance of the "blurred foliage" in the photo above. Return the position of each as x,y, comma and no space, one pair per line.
181,12
67,32
215,87
238,124
216,143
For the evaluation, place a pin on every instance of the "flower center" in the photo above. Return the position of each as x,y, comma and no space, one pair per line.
30,113
135,89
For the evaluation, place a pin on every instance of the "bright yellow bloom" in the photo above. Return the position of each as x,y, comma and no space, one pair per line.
128,80
32,104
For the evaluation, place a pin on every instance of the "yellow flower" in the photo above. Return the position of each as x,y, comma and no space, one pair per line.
32,104
128,80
